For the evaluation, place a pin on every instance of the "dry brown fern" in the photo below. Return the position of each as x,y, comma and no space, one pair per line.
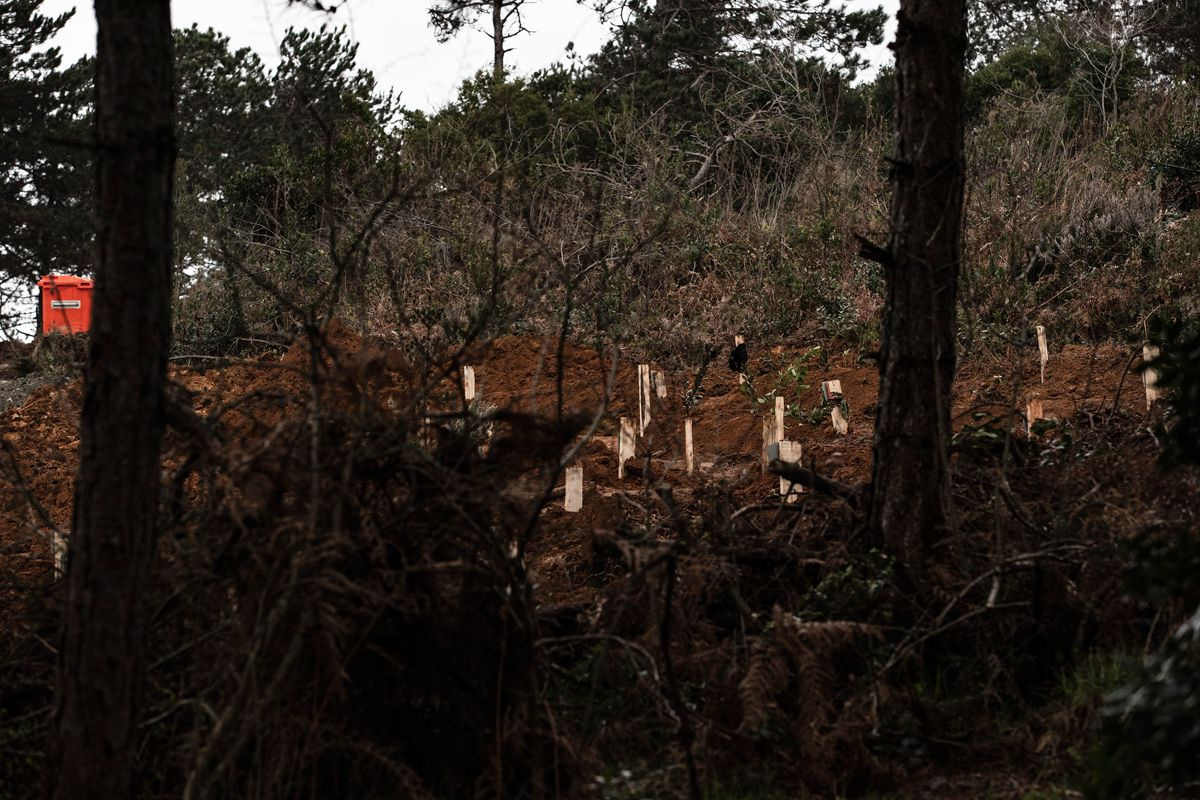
802,650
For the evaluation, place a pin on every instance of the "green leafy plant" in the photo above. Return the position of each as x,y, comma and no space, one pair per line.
791,380
987,430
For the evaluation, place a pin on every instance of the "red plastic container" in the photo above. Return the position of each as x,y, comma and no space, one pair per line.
66,304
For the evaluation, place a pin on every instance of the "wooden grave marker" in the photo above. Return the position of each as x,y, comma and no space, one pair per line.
831,394
626,441
658,382
788,453
689,454
643,398
58,551
1033,412
1150,376
770,436
468,374
573,500
779,423
1043,350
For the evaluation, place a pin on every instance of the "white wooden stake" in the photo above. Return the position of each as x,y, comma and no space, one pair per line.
831,393
468,383
689,454
770,437
658,379
58,551
573,500
840,425
1043,350
625,446
1150,376
643,398
788,453
1033,412
779,409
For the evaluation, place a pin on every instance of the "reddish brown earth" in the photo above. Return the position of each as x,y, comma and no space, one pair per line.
520,374
254,400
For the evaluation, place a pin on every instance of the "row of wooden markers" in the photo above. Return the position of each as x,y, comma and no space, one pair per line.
652,384
1034,410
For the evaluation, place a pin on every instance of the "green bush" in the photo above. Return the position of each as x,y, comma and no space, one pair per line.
1177,166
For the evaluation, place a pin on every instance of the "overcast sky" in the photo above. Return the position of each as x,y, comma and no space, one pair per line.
395,40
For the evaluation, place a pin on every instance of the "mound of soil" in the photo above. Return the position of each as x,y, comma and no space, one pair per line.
522,375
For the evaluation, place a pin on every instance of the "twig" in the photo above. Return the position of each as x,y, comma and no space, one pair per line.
1133,354
813,480
939,626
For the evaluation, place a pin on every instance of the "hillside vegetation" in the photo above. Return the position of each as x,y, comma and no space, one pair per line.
365,581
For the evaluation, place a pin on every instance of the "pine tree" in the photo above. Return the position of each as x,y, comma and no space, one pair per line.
44,176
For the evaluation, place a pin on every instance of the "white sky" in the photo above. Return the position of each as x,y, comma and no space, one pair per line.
394,37
395,40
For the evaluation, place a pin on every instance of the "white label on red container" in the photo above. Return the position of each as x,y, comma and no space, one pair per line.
66,304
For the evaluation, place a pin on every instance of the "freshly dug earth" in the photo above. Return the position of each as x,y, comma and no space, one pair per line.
527,380
521,374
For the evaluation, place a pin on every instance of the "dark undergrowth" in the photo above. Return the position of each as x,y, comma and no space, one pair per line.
344,608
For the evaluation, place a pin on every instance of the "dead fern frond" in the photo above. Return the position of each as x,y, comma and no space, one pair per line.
768,674
803,650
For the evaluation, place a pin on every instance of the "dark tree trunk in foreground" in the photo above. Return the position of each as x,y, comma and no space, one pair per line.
911,480
497,41
116,496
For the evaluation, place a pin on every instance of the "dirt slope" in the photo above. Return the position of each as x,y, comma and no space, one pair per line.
520,374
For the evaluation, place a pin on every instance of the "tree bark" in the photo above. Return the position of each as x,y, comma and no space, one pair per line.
497,42
498,7
117,488
910,500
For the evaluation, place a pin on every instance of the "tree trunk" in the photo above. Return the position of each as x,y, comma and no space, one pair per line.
910,500
116,495
501,158
497,41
